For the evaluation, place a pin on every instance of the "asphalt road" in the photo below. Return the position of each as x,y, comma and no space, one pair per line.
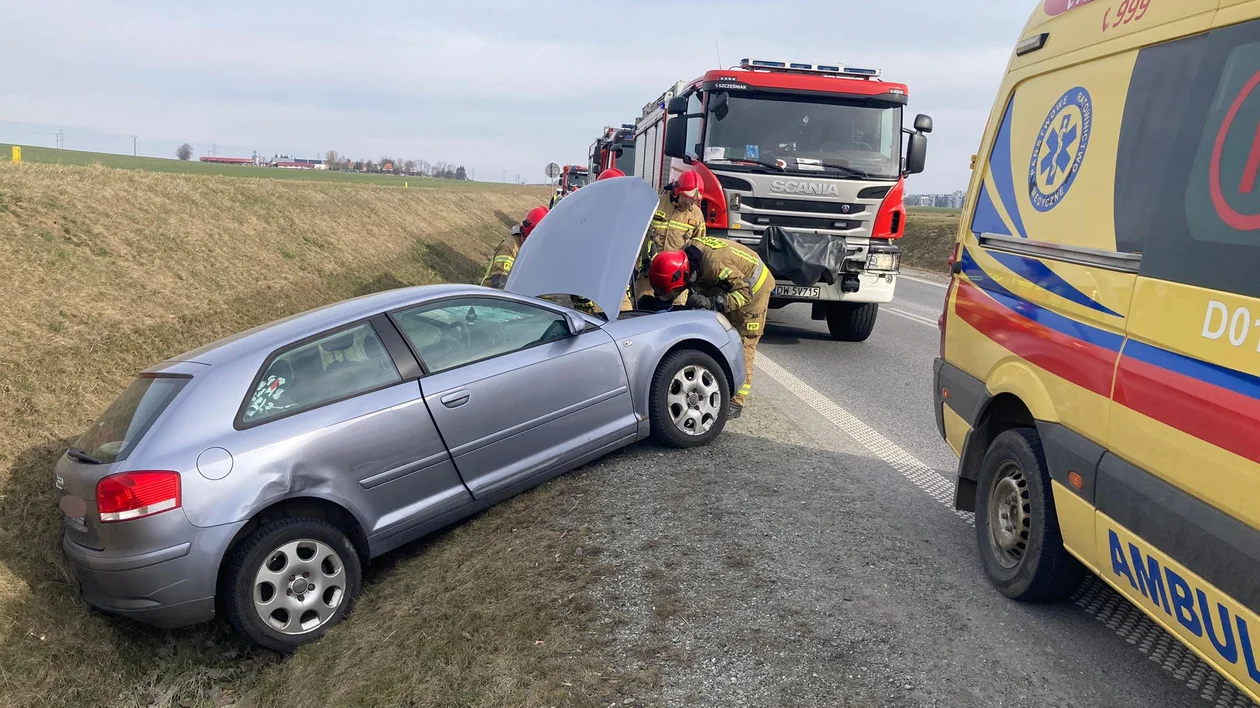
811,557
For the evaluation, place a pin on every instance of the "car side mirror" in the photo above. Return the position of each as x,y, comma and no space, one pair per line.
922,123
916,153
676,106
575,322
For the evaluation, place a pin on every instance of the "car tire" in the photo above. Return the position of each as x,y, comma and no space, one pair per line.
852,321
671,404
284,544
1024,557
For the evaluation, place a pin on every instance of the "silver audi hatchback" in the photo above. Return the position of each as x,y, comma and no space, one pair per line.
260,473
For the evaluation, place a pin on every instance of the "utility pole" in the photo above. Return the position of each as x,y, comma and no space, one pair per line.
61,139
133,145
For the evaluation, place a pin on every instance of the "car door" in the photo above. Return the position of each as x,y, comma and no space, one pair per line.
339,414
514,393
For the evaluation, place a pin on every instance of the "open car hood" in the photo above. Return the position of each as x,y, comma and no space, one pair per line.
587,245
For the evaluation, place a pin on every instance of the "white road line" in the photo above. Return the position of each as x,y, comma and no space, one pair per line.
922,476
925,281
1095,597
911,316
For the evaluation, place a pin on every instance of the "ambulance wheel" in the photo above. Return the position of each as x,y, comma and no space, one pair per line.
689,400
1017,528
851,321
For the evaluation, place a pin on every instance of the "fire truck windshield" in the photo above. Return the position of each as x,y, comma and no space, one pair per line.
806,135
625,163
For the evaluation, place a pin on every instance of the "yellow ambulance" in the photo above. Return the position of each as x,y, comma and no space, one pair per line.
1099,373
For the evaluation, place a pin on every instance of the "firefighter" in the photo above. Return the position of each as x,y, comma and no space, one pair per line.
677,220
724,276
505,255
610,173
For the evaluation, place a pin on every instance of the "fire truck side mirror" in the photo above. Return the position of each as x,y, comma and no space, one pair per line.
675,138
922,123
676,106
916,153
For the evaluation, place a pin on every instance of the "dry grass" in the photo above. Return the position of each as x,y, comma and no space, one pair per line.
107,271
930,235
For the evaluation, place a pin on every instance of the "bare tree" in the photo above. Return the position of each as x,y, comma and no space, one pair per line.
409,167
461,173
331,161
184,152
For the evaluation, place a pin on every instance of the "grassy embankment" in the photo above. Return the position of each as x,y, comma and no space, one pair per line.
929,238
53,156
107,271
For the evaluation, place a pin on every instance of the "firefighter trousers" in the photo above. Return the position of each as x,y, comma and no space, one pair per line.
750,322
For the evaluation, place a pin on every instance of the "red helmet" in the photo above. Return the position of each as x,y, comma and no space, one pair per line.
610,173
688,185
531,219
668,272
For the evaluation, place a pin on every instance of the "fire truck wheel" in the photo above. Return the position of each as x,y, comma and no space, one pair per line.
852,321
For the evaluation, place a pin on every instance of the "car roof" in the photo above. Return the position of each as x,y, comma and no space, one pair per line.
268,337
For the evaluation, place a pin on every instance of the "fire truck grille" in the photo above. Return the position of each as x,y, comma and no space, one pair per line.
800,222
803,205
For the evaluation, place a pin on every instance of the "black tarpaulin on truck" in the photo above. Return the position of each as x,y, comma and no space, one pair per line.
803,258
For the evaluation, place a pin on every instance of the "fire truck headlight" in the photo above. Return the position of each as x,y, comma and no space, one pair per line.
883,261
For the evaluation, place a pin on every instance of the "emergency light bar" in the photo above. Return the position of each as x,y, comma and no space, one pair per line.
835,69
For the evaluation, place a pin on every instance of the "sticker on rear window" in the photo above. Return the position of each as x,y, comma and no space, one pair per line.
1058,7
265,396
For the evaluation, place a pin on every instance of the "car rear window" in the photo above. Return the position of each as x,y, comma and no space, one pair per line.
114,435
337,366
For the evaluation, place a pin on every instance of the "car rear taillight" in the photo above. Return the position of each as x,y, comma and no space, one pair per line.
135,495
890,221
949,293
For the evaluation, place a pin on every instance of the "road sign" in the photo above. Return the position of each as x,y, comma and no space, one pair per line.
553,171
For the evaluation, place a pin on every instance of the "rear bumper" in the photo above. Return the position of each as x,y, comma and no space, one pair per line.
173,586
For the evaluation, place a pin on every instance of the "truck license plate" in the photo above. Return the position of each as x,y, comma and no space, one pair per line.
796,291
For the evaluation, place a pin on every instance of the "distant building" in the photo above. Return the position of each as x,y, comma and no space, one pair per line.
939,201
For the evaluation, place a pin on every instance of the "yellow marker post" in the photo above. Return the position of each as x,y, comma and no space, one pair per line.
17,154
404,185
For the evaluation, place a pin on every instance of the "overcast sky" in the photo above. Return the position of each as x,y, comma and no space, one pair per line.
496,86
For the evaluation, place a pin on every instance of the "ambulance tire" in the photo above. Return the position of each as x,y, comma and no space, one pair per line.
851,321
676,369
1025,559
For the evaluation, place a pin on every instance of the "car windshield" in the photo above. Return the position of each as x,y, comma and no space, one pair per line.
806,134
578,179
113,436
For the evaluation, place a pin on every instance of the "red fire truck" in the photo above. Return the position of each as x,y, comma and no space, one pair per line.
614,148
814,149
571,178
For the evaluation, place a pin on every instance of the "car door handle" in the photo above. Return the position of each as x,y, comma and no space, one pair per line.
455,399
